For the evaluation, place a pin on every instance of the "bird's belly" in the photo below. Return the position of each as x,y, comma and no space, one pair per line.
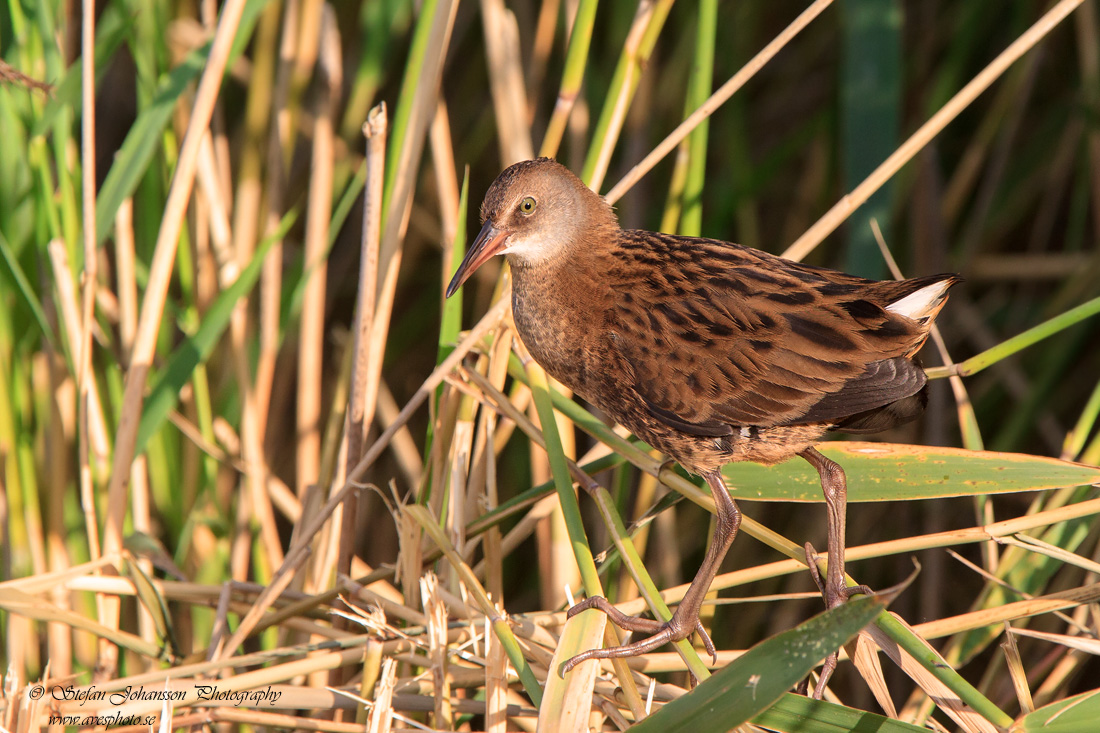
699,454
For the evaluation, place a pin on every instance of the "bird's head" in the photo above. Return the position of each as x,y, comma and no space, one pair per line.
536,212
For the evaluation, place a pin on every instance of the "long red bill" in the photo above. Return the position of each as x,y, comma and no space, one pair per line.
488,243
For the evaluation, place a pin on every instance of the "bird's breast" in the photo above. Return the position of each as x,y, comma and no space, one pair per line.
558,323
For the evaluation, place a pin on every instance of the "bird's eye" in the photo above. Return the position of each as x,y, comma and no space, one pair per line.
527,205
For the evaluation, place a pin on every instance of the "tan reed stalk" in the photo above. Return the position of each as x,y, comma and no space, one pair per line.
81,340
506,82
311,339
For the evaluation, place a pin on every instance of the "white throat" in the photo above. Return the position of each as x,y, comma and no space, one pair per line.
535,247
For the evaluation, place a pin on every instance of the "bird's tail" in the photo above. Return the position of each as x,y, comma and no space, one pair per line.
923,304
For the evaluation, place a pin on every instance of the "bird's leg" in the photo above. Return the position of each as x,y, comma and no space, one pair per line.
834,588
685,619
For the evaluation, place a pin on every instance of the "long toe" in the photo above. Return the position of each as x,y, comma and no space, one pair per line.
660,633
620,619
666,633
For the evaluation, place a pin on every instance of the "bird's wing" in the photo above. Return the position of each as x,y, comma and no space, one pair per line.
716,336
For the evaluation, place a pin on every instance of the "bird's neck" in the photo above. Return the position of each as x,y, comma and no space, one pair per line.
559,309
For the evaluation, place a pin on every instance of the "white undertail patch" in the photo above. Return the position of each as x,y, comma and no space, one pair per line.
921,304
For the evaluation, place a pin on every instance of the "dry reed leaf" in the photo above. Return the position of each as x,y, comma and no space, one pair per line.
1033,544
1080,643
1009,611
1016,671
947,700
866,661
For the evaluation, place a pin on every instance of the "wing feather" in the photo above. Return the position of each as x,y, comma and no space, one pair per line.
736,337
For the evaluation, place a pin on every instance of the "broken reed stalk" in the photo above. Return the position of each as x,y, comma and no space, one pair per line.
358,418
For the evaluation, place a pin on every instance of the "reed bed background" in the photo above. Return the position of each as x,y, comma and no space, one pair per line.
248,447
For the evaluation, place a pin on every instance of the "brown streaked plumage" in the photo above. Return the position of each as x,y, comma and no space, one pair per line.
709,351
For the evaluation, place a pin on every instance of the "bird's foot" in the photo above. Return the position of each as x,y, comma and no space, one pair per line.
835,592
660,633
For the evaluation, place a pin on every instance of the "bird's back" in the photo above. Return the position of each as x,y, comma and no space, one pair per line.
715,338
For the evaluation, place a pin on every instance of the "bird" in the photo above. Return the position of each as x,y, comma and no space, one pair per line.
709,351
